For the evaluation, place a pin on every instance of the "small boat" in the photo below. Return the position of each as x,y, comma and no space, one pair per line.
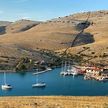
86,77
64,73
48,69
38,84
41,84
5,86
73,71
103,79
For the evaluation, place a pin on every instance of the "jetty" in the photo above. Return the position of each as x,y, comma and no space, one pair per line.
40,72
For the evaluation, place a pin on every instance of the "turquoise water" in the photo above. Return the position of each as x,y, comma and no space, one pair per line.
55,85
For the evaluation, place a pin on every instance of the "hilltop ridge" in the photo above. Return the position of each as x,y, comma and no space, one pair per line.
25,36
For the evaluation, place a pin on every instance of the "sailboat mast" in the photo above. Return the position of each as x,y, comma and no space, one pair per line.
4,78
68,65
62,67
37,77
65,66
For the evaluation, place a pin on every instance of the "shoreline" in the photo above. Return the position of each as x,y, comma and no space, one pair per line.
54,102
1,71
34,72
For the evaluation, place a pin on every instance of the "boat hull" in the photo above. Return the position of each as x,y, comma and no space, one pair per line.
39,85
6,87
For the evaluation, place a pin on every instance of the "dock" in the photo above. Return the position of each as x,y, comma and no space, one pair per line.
41,72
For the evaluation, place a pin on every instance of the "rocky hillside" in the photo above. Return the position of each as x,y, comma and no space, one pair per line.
25,36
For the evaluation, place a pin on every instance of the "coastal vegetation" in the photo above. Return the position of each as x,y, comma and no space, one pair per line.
50,59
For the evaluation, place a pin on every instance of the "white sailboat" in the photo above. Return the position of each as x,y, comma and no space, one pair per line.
74,71
69,68
64,70
38,84
5,86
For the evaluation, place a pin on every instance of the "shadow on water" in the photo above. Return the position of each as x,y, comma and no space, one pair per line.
38,88
5,92
21,73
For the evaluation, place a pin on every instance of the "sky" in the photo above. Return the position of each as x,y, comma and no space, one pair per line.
42,10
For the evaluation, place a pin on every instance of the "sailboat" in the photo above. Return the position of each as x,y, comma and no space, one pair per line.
69,68
74,71
5,86
38,84
64,71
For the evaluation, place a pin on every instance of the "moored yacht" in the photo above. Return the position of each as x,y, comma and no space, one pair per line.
38,84
74,71
64,70
103,79
5,86
48,69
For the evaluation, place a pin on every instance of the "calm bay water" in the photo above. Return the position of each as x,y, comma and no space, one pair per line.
55,85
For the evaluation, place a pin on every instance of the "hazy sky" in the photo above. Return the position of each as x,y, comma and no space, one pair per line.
12,10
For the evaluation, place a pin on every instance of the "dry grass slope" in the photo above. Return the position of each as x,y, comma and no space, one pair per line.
57,34
53,102
20,26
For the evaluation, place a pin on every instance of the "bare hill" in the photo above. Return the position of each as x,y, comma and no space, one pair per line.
58,34
17,26
21,25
